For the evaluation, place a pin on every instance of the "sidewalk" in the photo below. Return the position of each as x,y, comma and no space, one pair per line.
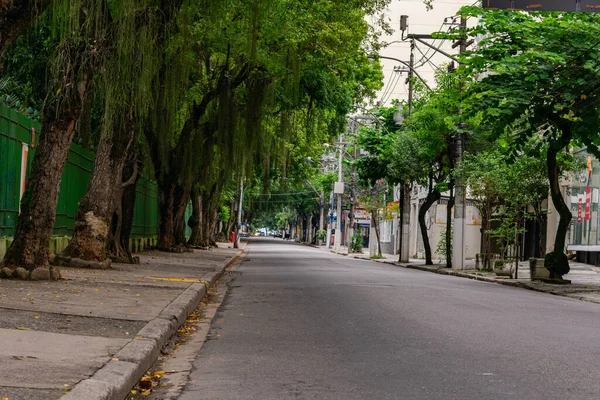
93,334
585,279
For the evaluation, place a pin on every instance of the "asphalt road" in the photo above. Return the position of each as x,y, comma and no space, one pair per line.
300,323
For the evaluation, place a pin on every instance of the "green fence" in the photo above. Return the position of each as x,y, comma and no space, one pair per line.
16,130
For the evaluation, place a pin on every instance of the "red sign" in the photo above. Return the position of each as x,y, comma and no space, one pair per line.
588,202
579,207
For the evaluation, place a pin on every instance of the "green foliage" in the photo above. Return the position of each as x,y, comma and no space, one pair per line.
441,247
356,242
534,70
225,213
321,235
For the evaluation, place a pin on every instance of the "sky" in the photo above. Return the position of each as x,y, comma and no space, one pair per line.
420,21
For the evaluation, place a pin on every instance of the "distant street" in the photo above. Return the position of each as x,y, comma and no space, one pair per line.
301,323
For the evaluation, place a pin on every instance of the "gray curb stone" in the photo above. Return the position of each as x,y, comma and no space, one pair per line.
118,376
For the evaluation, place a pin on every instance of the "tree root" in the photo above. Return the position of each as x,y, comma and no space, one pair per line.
73,262
38,274
126,259
176,249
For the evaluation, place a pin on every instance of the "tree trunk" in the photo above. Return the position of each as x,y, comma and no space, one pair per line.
166,214
540,218
30,247
213,227
205,226
128,206
122,221
557,262
449,227
195,220
431,198
182,196
91,232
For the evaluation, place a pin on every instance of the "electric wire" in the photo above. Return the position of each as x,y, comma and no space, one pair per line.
392,88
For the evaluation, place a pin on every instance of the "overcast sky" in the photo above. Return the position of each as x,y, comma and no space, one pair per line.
420,21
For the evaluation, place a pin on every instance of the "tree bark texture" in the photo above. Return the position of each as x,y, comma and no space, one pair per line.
122,220
431,198
30,247
195,220
557,262
95,212
166,214
182,196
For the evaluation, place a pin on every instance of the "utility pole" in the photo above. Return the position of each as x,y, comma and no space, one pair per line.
330,224
458,242
236,244
405,217
321,213
339,191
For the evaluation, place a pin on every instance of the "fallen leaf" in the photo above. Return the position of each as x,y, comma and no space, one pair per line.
36,317
22,328
132,313
33,357
66,385
127,333
31,298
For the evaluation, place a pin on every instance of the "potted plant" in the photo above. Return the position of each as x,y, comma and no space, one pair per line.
504,268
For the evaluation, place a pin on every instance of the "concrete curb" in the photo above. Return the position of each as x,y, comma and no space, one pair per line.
119,375
511,283
505,282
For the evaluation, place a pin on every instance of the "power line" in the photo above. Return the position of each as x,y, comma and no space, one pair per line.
392,87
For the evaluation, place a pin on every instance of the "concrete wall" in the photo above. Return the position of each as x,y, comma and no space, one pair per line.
436,224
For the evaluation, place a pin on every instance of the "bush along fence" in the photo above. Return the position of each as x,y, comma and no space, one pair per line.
18,135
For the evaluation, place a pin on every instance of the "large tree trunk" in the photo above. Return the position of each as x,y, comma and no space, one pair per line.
30,247
557,262
213,227
166,214
195,220
122,221
431,198
93,219
182,196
